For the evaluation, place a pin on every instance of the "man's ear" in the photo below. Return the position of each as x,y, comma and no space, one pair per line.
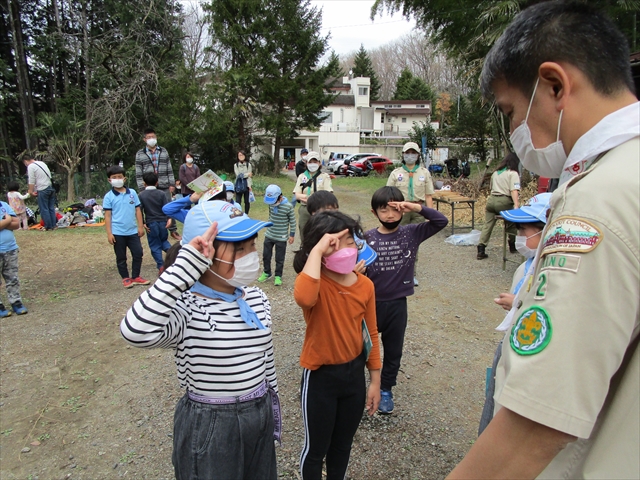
555,81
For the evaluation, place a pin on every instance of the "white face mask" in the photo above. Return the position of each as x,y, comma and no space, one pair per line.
521,245
410,158
189,160
313,167
546,162
247,270
152,142
229,196
117,182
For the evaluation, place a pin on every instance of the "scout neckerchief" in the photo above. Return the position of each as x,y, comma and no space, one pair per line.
411,194
274,208
248,315
311,179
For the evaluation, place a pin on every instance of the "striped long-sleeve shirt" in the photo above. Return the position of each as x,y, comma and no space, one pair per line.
217,354
284,222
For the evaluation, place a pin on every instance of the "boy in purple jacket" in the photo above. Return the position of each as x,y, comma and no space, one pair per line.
392,274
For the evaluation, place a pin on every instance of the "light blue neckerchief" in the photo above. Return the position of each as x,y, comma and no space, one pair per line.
527,266
248,315
275,207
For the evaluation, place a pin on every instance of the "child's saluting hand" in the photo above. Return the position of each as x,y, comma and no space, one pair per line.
204,243
406,207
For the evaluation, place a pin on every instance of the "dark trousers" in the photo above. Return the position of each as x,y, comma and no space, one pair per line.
132,242
332,398
247,204
392,322
172,226
267,251
158,243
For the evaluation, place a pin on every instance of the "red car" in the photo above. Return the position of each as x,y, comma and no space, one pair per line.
379,163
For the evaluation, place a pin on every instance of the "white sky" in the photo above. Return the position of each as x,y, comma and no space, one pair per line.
349,24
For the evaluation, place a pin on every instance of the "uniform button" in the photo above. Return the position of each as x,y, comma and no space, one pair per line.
519,304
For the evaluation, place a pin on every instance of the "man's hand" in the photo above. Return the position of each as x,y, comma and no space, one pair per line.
146,227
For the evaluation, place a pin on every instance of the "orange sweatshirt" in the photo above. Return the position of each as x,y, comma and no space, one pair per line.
334,316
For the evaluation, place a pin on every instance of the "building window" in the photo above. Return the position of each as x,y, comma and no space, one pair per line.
382,118
363,91
397,106
404,119
420,106
326,117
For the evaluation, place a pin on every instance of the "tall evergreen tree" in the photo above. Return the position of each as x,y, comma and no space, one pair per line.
410,87
333,67
363,67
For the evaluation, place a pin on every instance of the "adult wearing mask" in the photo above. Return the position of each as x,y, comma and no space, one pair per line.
566,394
414,181
301,165
154,158
309,181
243,170
188,172
41,187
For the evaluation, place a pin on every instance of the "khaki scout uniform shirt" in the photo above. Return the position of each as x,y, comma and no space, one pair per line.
571,360
422,184
503,183
323,182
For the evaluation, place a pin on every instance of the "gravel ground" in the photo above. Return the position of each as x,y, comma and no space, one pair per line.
77,402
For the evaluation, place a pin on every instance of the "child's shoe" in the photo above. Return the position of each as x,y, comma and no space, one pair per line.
140,281
4,312
19,308
277,281
386,402
264,277
127,283
415,282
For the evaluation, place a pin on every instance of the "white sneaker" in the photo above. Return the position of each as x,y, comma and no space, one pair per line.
415,282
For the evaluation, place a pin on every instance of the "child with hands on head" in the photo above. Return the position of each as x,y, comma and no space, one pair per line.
220,330
338,305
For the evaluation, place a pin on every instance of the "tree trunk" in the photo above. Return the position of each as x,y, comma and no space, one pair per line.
276,155
71,196
22,70
87,95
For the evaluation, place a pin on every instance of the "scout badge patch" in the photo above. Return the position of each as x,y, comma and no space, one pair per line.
531,332
571,234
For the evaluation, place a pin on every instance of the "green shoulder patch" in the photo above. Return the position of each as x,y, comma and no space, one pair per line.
531,332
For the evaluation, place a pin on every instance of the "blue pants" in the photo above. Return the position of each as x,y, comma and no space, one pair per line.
158,243
47,205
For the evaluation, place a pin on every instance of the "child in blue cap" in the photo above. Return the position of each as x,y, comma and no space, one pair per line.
220,330
530,220
283,230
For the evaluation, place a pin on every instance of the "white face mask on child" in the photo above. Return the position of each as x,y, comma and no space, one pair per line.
247,269
117,182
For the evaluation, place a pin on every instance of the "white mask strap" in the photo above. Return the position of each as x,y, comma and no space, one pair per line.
559,123
531,101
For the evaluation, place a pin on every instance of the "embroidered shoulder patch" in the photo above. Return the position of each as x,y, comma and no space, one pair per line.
531,332
571,234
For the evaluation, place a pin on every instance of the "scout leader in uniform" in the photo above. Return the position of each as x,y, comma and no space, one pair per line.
568,382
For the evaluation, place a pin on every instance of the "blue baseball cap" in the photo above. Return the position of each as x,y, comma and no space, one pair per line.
233,224
365,252
304,150
228,186
535,210
271,194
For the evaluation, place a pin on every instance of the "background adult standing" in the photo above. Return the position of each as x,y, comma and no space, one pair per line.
414,181
40,186
309,182
154,158
301,165
243,167
187,173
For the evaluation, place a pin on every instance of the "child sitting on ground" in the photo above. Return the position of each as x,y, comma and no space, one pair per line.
16,202
123,222
392,274
9,260
283,230
155,220
530,220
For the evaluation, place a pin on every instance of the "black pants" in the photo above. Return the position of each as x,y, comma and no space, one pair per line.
247,204
332,398
172,225
132,242
267,251
392,322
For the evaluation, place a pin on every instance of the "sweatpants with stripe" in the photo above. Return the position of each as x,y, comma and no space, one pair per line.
333,398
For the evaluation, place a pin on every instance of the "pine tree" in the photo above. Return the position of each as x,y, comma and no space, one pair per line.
334,70
410,87
363,67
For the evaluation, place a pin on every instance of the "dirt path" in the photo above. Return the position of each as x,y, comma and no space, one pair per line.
77,402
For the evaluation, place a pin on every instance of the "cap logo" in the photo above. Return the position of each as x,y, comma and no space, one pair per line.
235,212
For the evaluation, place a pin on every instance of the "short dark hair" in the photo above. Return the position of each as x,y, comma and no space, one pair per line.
559,31
27,157
149,179
384,195
329,221
147,131
538,225
321,199
114,170
13,187
511,161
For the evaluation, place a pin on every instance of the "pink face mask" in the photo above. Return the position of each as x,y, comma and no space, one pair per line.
343,261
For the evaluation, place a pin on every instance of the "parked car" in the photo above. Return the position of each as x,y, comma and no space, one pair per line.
378,162
335,159
335,165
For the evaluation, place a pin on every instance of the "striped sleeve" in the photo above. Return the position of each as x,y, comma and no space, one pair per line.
154,320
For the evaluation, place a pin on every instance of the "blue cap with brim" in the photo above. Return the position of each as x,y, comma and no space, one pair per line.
233,224
535,210
272,194
365,252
